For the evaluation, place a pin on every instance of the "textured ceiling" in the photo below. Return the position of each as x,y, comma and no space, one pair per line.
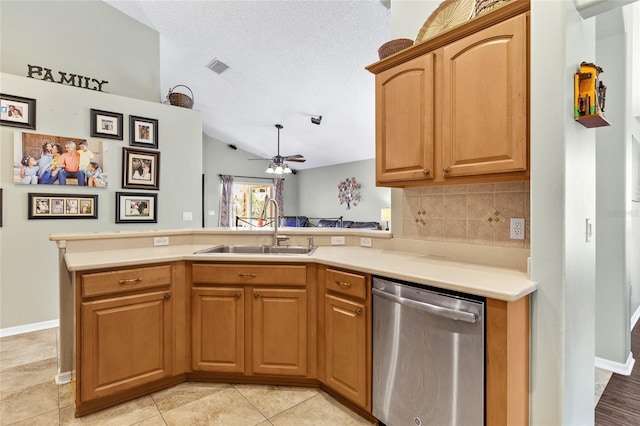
288,61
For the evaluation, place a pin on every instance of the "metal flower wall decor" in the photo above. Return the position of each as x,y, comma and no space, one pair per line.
349,192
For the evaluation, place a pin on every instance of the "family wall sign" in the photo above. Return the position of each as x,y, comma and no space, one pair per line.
76,80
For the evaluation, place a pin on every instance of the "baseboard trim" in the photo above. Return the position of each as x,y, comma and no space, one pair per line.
616,367
635,317
63,378
28,328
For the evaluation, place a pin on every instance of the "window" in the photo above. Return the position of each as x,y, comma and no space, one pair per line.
249,202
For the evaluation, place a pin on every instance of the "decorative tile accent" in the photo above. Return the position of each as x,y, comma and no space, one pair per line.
470,214
494,218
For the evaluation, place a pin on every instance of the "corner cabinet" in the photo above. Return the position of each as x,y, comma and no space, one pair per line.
455,109
252,319
125,331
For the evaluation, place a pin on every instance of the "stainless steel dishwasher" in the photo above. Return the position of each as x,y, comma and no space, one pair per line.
428,356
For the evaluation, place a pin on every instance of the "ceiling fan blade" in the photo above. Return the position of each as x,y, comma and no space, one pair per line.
294,156
259,159
297,160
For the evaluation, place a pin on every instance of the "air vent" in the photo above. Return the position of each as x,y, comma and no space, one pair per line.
217,66
386,3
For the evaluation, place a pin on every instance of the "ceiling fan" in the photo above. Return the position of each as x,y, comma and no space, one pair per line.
277,163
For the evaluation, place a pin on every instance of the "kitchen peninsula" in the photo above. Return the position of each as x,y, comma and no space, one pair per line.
118,290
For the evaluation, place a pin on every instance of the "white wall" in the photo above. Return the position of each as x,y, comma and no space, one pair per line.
612,281
632,24
28,267
89,38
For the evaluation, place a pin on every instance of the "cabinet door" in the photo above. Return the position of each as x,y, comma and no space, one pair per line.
484,101
279,331
126,341
404,121
346,349
218,329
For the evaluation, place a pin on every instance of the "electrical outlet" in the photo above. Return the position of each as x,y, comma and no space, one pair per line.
337,241
517,228
365,242
187,216
161,241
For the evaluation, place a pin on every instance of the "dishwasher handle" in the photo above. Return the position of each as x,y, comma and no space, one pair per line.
427,307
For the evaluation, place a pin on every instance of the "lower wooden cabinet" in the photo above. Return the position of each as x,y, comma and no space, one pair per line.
124,340
251,319
347,335
218,329
279,331
346,348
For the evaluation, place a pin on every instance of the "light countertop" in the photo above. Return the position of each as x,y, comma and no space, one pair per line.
489,281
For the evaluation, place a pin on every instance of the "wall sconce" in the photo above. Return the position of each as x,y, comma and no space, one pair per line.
385,216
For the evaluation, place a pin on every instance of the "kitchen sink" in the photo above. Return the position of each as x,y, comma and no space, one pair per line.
263,249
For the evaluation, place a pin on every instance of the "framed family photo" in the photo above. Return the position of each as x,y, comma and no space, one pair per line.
140,169
41,159
17,111
63,206
134,207
144,132
105,124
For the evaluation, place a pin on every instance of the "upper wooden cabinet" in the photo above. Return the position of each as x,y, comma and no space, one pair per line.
484,101
457,113
404,121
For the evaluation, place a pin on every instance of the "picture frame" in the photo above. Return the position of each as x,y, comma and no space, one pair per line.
40,148
17,111
140,169
136,207
105,124
62,206
143,132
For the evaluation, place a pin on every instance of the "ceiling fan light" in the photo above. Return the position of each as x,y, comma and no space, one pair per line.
270,170
278,170
286,169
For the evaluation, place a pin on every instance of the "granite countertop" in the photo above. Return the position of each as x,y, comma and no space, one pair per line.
489,281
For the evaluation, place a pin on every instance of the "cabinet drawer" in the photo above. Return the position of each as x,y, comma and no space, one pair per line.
346,283
249,274
125,280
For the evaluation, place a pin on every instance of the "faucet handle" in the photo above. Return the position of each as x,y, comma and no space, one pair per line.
310,239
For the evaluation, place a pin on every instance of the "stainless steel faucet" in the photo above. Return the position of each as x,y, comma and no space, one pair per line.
276,236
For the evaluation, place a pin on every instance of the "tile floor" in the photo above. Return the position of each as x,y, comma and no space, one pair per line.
29,396
602,378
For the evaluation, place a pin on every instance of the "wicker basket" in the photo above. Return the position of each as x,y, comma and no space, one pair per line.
394,46
483,6
180,99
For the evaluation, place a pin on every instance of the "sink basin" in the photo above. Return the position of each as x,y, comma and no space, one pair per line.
264,249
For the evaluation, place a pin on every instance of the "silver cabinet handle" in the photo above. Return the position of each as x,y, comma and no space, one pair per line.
446,169
426,171
358,311
130,281
240,274
256,295
167,296
427,307
343,284
238,295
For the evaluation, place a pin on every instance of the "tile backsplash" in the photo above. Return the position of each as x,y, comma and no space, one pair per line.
468,214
